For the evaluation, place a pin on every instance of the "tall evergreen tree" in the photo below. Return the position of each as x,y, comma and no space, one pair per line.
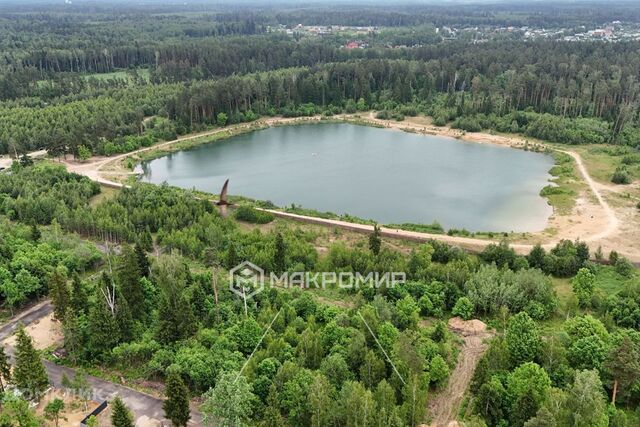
374,240
129,276
124,318
59,292
104,332
176,406
5,371
272,416
29,374
74,336
79,299
623,365
145,240
120,414
143,262
232,256
176,320
35,233
279,256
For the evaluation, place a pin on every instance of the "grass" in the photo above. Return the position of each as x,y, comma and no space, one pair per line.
603,159
563,290
433,228
609,281
120,75
567,184
106,193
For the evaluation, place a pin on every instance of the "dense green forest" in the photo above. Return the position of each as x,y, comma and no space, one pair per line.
183,324
139,277
65,83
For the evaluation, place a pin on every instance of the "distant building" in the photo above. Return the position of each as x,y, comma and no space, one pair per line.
355,45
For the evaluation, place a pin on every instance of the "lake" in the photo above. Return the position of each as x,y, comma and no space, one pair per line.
386,175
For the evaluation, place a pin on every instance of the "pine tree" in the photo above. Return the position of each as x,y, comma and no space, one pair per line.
35,233
374,240
623,366
29,374
143,261
79,299
176,407
272,416
129,279
232,256
124,318
104,331
146,240
279,256
5,371
120,414
59,292
74,341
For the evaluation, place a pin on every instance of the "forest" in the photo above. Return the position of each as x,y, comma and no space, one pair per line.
92,86
138,277
183,330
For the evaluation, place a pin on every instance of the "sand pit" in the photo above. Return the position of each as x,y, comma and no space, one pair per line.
45,333
467,327
74,409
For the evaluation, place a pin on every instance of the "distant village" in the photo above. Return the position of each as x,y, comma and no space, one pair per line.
323,30
612,32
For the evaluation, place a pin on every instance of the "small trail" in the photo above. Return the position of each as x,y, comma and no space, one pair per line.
444,406
612,223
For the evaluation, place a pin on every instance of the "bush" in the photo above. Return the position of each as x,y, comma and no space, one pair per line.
463,308
621,176
383,115
624,267
252,215
470,124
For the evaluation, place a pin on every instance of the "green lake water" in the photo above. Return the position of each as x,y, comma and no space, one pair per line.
381,174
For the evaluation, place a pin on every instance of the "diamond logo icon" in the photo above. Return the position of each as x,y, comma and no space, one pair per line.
246,280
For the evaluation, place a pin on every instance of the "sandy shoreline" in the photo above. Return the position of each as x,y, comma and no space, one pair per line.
593,220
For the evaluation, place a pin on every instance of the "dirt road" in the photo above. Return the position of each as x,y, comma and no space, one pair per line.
444,406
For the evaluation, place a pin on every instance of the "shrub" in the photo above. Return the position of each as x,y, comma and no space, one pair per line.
252,215
470,124
463,308
439,121
624,267
621,176
383,115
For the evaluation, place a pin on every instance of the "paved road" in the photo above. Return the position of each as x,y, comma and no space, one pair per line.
28,316
140,403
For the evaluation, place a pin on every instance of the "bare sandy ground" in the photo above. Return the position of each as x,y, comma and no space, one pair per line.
44,332
74,409
593,219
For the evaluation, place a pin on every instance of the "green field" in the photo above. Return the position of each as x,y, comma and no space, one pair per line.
144,73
